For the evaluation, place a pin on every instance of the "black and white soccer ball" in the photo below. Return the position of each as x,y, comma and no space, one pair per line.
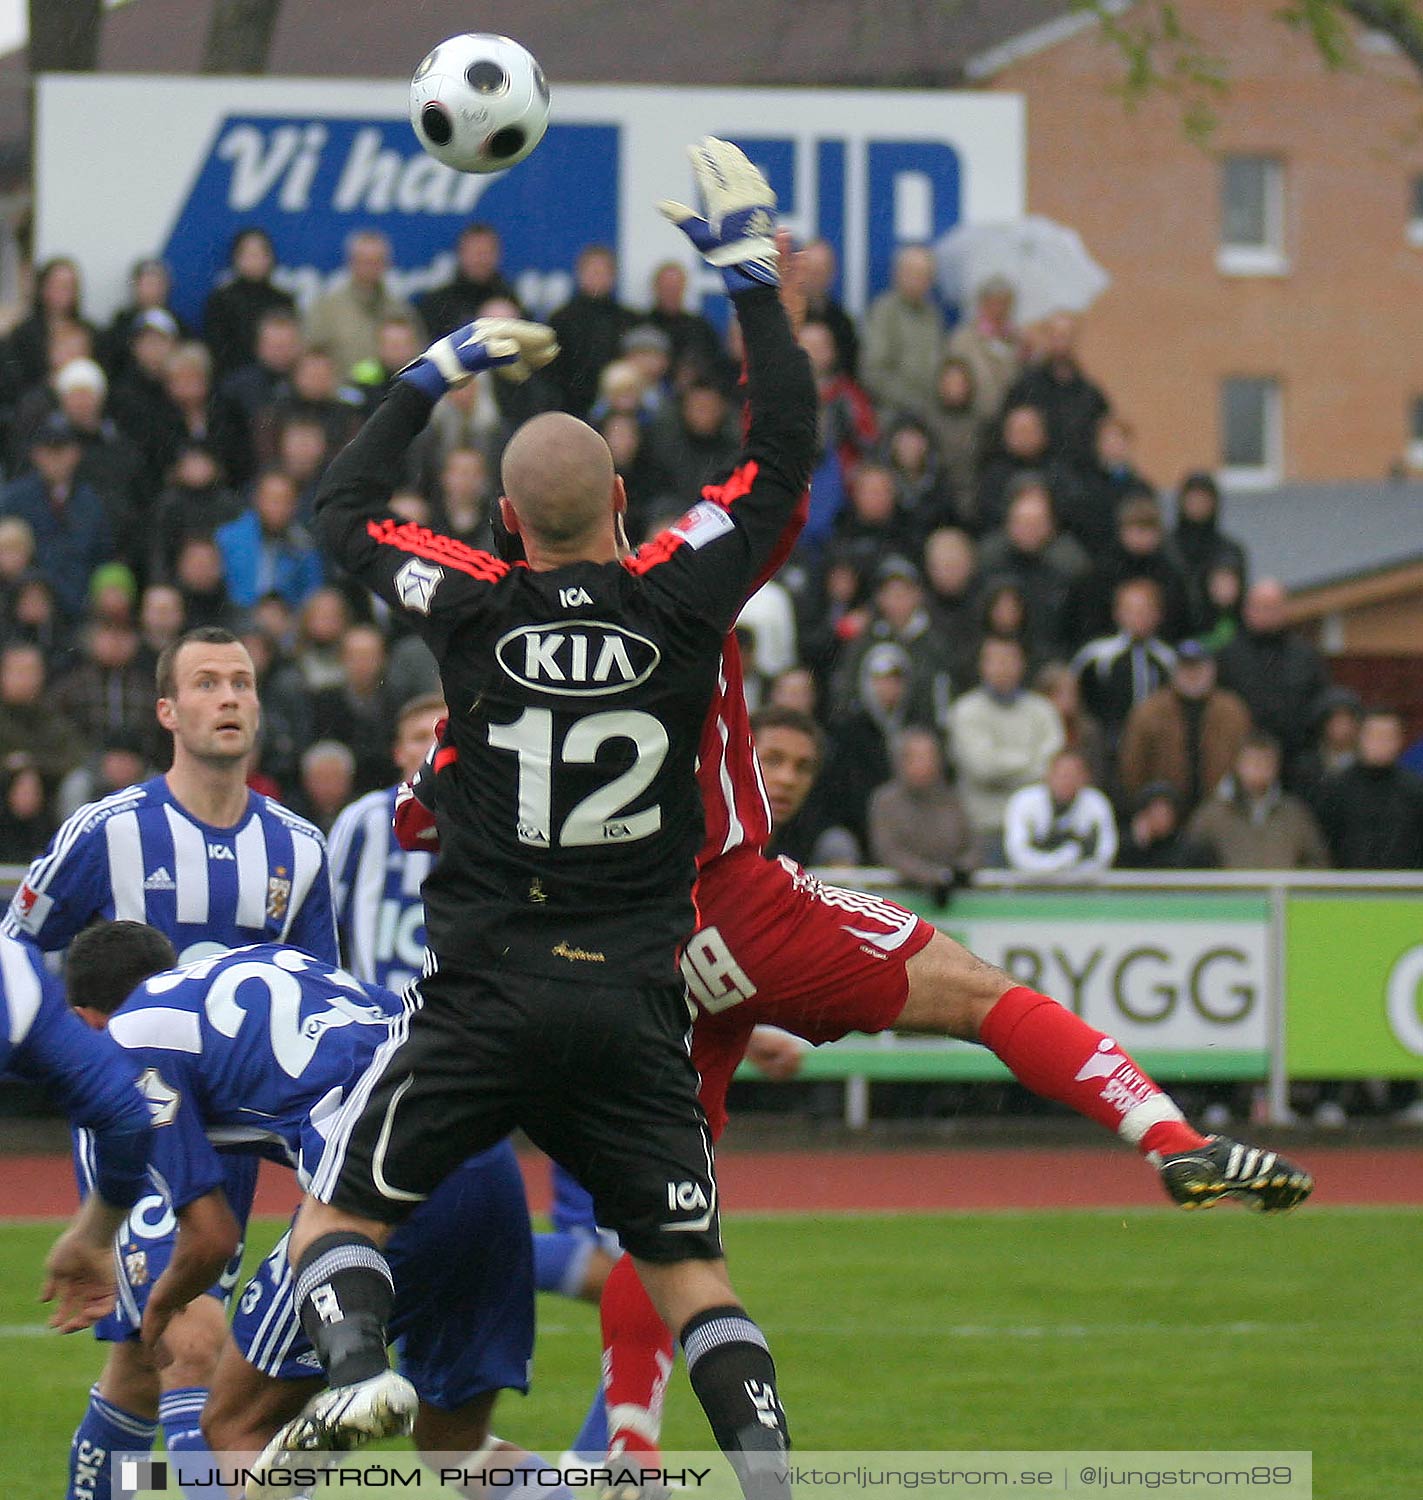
479,102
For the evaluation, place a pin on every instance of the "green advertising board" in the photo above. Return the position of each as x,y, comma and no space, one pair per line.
1354,985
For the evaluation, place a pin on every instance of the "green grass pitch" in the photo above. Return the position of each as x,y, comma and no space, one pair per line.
1005,1331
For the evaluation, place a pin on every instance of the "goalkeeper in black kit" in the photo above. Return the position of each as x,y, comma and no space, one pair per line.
569,824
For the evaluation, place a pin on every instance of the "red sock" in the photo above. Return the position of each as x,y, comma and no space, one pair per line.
638,1355
1058,1055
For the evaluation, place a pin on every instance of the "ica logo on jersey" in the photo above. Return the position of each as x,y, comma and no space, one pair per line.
580,659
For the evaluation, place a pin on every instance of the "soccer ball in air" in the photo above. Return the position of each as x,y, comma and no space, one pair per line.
479,102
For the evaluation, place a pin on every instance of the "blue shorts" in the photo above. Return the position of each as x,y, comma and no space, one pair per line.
145,1246
463,1263
572,1211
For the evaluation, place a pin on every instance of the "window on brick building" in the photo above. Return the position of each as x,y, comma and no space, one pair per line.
1415,212
1415,433
1252,216
1252,439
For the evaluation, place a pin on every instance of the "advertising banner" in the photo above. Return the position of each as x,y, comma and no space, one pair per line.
1181,980
1354,985
133,166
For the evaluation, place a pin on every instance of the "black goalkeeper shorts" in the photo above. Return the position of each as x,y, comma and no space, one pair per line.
596,1075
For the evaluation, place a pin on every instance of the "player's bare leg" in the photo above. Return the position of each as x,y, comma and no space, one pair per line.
1056,1054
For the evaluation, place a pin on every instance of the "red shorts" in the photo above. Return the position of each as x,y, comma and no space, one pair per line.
776,946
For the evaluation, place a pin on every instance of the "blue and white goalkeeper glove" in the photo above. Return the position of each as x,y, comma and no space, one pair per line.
736,227
510,347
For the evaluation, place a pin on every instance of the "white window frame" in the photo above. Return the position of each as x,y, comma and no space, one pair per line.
1268,258
1413,232
1271,473
1414,450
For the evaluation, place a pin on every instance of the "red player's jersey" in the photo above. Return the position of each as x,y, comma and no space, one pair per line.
738,816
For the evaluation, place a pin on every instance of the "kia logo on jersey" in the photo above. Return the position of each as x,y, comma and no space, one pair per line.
582,659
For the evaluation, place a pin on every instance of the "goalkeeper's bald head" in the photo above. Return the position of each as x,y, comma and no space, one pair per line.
560,484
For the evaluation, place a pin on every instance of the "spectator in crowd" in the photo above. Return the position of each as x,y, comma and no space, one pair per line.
1372,810
254,385
1104,484
858,757
1199,543
139,401
397,344
67,518
590,328
957,428
819,272
989,346
1021,448
235,307
1001,738
466,417
110,464
313,391
649,490
832,613
795,688
1121,670
623,388
265,551
900,617
695,439
358,711
286,710
57,305
1251,824
17,556
198,574
108,693
37,619
193,415
1140,551
917,825
1058,683
161,620
923,491
951,594
649,351
477,277
465,498
694,350
847,430
1154,840
1278,673
30,721
1030,552
904,337
119,762
1063,828
328,782
150,287
68,344
1225,594
1071,404
346,321
1338,719
26,825
302,456
194,503
1187,734
872,527
766,627
324,620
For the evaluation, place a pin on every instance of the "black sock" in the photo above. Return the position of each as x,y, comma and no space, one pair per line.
344,1293
732,1372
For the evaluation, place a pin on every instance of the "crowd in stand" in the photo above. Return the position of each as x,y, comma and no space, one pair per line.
1019,652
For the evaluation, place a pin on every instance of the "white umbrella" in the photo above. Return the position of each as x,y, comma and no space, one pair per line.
1046,262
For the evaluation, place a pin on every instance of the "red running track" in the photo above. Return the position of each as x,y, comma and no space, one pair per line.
42,1187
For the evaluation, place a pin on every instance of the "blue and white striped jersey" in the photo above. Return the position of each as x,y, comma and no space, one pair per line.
380,916
139,856
249,1051
91,1080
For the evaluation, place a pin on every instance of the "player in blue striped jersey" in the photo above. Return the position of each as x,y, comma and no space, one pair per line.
253,1051
380,916
93,1083
195,853
213,866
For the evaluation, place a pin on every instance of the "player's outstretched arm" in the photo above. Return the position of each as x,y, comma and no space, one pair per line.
734,229
424,574
208,1237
